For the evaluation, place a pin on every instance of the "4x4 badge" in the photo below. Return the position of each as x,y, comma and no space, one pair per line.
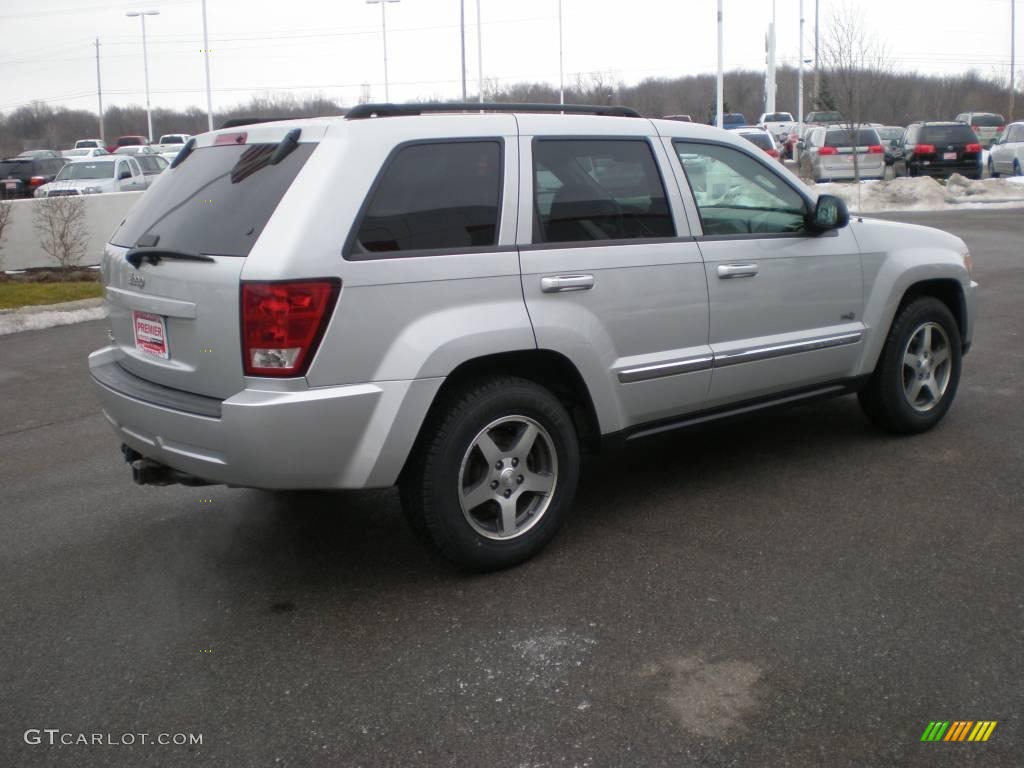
136,280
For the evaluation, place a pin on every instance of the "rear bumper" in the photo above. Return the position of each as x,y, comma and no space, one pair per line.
353,436
941,170
874,171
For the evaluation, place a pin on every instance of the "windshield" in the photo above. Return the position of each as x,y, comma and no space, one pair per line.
987,121
865,137
947,134
778,117
762,140
890,133
245,189
100,170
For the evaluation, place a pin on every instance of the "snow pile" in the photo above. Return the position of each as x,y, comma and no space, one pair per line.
51,315
922,193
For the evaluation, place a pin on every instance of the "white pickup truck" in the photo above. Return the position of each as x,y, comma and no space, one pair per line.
778,124
171,143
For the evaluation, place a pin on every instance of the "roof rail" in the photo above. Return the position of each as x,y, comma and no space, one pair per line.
238,122
363,111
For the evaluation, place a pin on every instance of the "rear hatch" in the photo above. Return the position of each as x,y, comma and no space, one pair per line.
987,127
953,144
172,268
843,144
14,178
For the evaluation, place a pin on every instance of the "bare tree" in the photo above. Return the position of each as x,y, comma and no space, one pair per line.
60,224
5,217
856,66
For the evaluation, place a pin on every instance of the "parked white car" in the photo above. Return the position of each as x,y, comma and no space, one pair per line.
90,144
85,152
778,124
92,176
1006,156
171,143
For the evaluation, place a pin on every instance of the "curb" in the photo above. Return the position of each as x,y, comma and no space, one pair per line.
50,315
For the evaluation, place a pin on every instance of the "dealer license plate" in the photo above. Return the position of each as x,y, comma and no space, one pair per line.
949,155
150,334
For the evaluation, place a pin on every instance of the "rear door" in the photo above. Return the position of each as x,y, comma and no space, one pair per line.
176,320
610,276
785,303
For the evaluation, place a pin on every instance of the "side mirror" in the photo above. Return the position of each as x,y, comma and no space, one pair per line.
830,212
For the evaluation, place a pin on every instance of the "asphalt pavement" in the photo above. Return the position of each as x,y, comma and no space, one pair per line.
792,590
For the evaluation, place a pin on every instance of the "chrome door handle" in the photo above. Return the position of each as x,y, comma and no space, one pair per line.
728,271
563,283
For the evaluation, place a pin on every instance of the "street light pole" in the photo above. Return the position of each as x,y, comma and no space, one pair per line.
800,79
479,56
99,88
206,58
561,71
817,61
720,85
384,39
1013,55
145,65
462,43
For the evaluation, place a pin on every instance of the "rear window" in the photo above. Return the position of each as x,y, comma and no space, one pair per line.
129,141
171,140
15,168
761,140
826,117
987,121
216,202
947,134
890,133
778,117
865,137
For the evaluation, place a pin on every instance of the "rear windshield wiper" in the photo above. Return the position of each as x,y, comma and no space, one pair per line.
136,256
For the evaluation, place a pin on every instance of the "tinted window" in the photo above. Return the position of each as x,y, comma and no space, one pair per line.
987,121
947,134
864,137
595,189
437,195
244,190
778,117
173,139
16,168
890,133
737,195
762,140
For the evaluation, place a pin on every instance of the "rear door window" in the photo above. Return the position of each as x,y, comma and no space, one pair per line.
216,202
433,196
597,189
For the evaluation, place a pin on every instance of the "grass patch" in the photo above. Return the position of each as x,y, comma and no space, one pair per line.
16,294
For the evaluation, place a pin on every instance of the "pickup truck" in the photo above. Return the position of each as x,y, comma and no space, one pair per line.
778,124
171,142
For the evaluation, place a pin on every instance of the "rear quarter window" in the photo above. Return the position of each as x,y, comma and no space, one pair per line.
216,202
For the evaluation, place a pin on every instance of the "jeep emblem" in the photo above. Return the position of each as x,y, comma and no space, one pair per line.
136,280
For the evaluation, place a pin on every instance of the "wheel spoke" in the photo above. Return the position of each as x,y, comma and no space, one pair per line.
926,339
488,448
910,360
524,443
940,356
537,482
933,388
477,495
508,516
914,389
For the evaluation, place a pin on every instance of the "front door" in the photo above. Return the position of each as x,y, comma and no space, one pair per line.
785,303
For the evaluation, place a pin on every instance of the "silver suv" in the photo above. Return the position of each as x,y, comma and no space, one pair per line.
461,302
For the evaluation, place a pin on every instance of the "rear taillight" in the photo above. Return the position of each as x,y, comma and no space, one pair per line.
876,149
230,138
924,149
36,181
828,151
972,148
772,152
282,324
1001,128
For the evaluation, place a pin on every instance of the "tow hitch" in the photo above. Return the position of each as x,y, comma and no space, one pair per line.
148,472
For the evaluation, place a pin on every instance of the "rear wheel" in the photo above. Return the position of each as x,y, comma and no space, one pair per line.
1016,168
918,371
992,169
495,474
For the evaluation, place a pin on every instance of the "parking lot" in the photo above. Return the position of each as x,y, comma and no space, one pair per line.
796,589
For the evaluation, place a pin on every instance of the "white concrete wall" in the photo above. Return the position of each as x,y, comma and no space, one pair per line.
103,214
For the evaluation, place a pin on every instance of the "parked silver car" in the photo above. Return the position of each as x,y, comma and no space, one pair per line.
829,154
487,296
95,175
1006,157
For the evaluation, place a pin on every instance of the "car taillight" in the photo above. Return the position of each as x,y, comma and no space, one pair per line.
924,149
972,148
876,149
772,152
230,138
36,181
1001,128
282,324
828,151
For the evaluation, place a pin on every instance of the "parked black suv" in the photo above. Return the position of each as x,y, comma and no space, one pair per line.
939,150
22,176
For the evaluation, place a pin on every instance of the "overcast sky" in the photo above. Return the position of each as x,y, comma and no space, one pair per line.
332,47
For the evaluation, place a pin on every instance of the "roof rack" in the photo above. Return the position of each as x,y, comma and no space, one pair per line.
238,122
363,111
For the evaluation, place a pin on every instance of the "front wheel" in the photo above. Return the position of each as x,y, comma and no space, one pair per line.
494,476
918,371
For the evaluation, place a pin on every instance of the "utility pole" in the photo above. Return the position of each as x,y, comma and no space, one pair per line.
1013,56
479,55
462,40
99,88
561,72
719,99
770,85
206,59
817,61
800,79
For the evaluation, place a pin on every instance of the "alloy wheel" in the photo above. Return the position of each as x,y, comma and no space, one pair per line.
926,367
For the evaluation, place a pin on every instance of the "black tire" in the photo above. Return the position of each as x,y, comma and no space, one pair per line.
992,169
884,399
1016,168
431,486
